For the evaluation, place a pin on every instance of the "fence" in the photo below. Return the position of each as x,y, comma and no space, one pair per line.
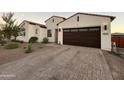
119,41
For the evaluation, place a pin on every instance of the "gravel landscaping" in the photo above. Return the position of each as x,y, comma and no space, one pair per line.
56,62
116,64
9,55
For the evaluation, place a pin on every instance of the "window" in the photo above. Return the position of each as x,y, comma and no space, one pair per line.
53,20
77,18
105,27
24,34
74,30
94,29
49,33
66,30
83,29
36,31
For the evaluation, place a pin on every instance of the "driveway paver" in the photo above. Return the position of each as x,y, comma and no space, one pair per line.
59,63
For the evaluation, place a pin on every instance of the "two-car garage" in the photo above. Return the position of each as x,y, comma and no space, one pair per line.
85,36
88,30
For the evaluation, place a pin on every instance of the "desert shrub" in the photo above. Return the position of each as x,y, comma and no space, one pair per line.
33,40
12,46
29,48
45,40
3,42
19,41
1,37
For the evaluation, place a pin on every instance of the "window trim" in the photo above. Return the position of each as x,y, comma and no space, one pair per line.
53,20
36,31
49,33
78,18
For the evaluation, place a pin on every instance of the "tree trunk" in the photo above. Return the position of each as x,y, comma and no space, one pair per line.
15,38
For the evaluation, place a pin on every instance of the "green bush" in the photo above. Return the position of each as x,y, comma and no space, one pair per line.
3,42
45,40
1,37
33,40
12,46
29,48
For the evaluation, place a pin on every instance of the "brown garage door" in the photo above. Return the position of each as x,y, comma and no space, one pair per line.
88,36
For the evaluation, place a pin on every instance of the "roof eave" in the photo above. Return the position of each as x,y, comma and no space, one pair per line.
111,17
41,25
55,16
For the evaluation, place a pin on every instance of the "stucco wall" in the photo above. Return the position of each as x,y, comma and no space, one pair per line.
87,21
1,25
52,26
30,32
24,38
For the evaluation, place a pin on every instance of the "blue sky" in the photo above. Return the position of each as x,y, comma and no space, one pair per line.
40,17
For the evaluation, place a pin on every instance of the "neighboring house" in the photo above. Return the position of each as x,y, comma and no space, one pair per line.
1,23
118,38
52,28
32,29
80,29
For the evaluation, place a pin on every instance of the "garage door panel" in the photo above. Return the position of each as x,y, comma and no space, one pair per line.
83,38
82,44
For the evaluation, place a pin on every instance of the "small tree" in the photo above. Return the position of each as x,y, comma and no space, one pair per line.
2,42
9,23
16,31
10,28
1,36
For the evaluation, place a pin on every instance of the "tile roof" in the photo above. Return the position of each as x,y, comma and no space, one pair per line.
34,23
112,17
57,17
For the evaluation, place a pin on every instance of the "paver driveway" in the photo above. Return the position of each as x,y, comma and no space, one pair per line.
58,63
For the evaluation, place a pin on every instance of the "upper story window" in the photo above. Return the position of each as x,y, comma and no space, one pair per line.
78,18
53,20
36,31
49,33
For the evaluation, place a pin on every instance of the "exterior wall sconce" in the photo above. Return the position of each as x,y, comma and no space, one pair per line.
59,30
105,27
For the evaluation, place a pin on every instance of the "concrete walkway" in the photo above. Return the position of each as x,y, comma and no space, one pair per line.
59,63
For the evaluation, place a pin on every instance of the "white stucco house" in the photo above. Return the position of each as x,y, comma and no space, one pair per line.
80,29
1,23
32,29
52,27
